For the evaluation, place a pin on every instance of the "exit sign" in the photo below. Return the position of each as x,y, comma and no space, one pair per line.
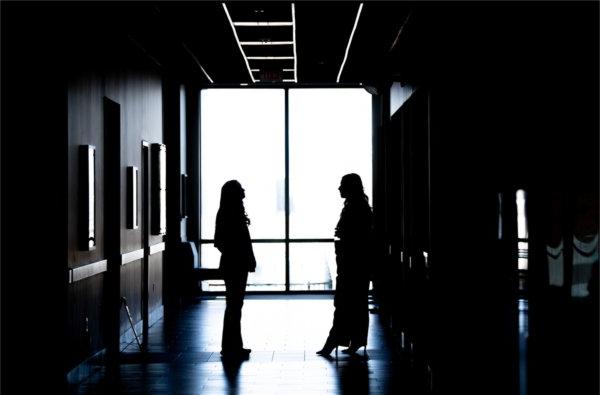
270,75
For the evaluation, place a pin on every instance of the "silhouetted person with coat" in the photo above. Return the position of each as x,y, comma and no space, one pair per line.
232,239
353,257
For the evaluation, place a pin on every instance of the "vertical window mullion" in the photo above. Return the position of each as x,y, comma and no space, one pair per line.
287,191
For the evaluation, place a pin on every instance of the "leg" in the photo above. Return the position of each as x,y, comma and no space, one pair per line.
338,333
359,311
235,289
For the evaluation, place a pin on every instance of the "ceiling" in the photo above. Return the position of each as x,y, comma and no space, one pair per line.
198,40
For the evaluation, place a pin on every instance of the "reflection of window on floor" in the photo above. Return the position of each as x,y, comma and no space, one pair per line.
585,246
585,255
243,137
523,245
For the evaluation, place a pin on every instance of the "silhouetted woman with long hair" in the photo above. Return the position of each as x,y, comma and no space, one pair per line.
232,239
353,254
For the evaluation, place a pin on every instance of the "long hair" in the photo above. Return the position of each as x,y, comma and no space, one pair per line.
232,205
354,187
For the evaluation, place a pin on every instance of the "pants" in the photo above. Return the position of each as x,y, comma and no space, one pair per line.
235,289
351,301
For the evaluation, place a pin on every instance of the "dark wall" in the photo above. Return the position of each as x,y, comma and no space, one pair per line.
34,203
55,86
509,101
133,85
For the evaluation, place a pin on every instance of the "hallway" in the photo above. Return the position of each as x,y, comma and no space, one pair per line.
283,332
474,127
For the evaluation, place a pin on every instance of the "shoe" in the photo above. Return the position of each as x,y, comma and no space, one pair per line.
327,349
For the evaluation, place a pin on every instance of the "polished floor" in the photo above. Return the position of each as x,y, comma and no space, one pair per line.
283,332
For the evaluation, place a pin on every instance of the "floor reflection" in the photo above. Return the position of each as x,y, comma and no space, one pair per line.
231,368
353,376
284,332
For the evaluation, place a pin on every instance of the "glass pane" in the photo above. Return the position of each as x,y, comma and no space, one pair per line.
242,138
270,267
312,266
330,135
209,256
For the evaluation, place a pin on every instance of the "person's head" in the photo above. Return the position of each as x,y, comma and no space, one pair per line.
351,187
232,195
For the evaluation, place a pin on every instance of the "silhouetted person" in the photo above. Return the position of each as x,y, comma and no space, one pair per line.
232,238
353,256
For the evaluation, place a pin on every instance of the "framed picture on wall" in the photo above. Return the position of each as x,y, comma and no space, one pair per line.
87,198
158,157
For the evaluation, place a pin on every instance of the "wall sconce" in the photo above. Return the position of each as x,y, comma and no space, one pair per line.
87,197
132,197
184,196
159,189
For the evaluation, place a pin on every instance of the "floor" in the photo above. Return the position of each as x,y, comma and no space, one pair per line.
283,332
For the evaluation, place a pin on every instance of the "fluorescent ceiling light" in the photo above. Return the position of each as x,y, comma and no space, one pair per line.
266,42
262,23
294,39
197,62
270,57
287,69
350,41
238,41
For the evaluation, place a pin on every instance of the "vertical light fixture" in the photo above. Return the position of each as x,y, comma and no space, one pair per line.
132,197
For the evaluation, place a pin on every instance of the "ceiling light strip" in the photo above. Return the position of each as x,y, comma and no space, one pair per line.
254,24
349,42
238,41
294,40
197,62
270,57
266,42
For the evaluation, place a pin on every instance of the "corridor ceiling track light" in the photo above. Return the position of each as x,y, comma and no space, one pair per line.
281,45
266,42
270,57
349,42
197,62
294,40
238,41
259,24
